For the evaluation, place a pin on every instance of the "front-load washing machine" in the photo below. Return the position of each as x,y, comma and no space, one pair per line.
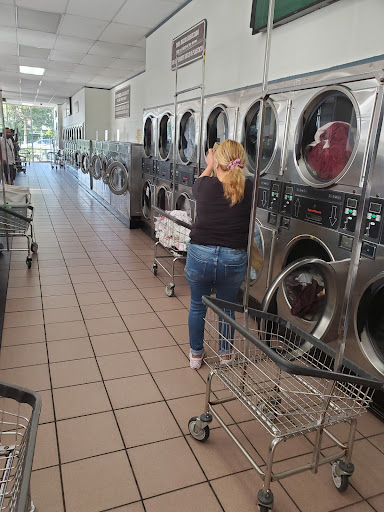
164,161
84,174
148,188
125,181
270,183
99,164
326,149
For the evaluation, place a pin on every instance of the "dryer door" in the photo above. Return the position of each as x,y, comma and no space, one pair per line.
217,127
164,198
118,178
369,322
96,167
185,203
146,200
84,163
187,137
165,137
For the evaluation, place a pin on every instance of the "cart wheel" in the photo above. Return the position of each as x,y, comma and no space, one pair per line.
263,508
29,262
154,269
170,289
265,501
201,435
341,481
34,246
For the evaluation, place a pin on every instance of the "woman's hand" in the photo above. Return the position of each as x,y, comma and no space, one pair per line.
209,159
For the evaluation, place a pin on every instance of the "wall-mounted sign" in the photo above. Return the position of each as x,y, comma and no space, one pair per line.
123,102
285,11
189,46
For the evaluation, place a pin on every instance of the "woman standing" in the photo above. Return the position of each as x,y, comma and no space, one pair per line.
217,253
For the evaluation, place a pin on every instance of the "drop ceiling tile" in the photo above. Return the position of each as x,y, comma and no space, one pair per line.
80,78
107,49
29,61
38,20
78,26
76,44
123,34
8,35
72,57
55,65
8,66
91,70
8,49
120,64
11,59
8,16
145,13
31,51
35,38
43,5
142,43
100,9
134,54
96,60
116,73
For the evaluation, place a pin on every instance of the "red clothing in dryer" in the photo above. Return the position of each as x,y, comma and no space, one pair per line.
329,153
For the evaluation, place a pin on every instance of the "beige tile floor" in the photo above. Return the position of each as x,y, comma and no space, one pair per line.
91,329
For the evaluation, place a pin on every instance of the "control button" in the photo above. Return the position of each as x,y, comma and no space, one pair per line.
346,210
368,250
272,219
369,216
285,222
378,218
354,213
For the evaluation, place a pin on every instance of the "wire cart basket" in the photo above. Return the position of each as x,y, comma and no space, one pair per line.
56,158
171,248
284,377
19,417
17,221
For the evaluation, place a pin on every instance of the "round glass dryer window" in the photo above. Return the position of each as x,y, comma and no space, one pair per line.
217,128
148,136
327,137
187,137
370,323
251,130
163,199
146,200
165,137
118,178
184,203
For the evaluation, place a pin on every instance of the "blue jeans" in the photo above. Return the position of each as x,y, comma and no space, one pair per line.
211,266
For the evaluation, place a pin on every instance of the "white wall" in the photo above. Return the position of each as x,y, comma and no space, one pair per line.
76,117
97,113
346,31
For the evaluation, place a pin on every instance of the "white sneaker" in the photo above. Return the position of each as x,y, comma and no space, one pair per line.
195,362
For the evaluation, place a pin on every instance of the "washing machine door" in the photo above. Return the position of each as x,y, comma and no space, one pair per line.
118,178
96,167
187,137
105,174
306,294
77,159
146,200
217,127
84,163
186,204
369,322
165,137
164,198
149,136
250,134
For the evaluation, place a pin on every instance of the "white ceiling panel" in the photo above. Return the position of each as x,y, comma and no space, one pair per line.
55,65
91,70
8,49
73,57
100,9
145,13
38,20
96,60
44,5
74,44
78,26
115,73
36,38
54,77
120,64
123,34
8,35
31,51
78,78
7,16
134,53
29,61
7,66
107,49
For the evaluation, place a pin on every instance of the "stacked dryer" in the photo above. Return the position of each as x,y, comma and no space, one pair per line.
163,174
314,203
148,171
84,174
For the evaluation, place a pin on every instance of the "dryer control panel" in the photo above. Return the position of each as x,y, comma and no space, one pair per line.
148,166
186,175
349,214
373,218
164,170
269,195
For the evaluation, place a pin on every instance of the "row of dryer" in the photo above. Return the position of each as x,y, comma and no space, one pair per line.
317,137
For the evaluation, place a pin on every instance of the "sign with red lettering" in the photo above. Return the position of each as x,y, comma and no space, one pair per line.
123,102
189,46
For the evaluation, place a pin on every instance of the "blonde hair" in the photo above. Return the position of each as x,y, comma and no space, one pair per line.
234,179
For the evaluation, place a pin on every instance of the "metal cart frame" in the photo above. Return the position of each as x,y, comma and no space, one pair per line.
173,254
17,221
18,429
284,377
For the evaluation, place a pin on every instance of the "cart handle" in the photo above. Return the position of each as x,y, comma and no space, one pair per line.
17,215
362,378
170,217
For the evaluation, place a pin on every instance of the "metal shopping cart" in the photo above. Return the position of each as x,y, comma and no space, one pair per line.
56,158
171,247
284,377
17,221
19,418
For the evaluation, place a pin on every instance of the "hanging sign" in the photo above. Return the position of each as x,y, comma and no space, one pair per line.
189,46
123,102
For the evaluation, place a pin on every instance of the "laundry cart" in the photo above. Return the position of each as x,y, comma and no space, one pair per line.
172,230
16,220
19,418
285,378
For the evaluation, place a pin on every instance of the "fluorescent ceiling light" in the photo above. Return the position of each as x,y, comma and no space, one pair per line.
29,70
28,104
